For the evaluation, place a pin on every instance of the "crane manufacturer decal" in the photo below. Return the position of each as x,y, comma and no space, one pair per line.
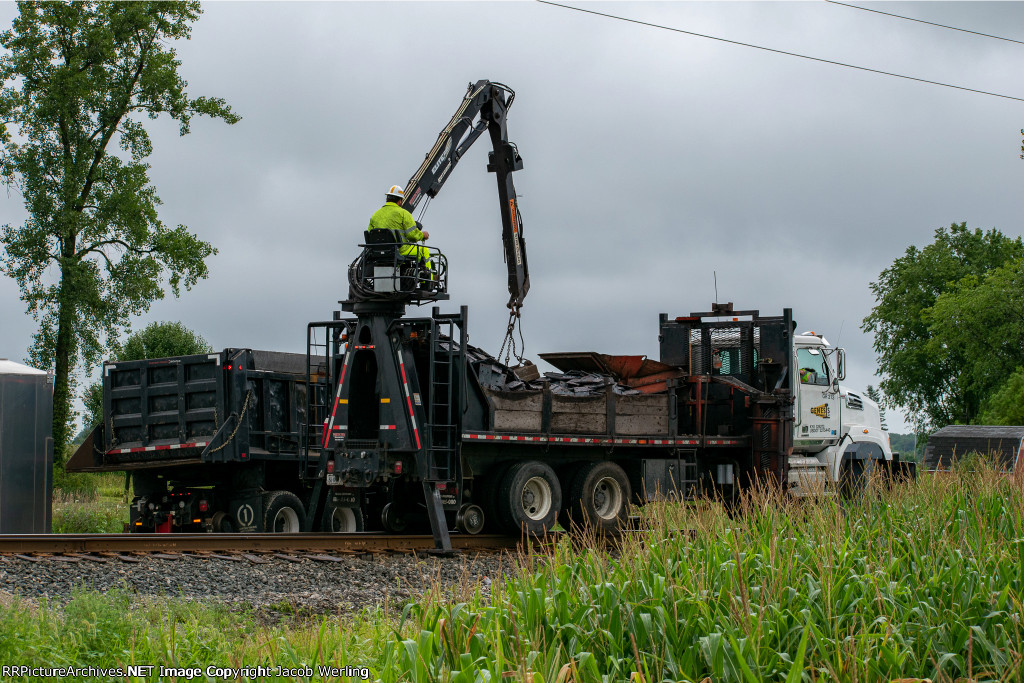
515,232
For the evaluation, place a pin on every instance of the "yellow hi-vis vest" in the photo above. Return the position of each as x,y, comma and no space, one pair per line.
391,216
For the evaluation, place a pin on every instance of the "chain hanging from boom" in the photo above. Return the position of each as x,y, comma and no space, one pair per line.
514,321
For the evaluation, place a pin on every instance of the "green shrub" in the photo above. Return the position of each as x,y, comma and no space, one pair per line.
77,485
74,515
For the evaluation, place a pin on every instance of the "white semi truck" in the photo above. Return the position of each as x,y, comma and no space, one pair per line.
837,432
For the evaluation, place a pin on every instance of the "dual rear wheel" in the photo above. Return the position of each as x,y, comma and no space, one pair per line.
529,497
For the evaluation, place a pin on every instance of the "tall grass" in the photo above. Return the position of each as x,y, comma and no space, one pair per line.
90,503
911,581
118,629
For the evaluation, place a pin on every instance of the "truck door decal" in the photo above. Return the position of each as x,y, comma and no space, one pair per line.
820,411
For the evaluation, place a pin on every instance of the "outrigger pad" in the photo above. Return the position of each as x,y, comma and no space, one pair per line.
438,523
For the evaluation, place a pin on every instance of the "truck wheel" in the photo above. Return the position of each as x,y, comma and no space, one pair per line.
529,498
283,513
853,478
598,496
470,519
393,520
222,523
339,520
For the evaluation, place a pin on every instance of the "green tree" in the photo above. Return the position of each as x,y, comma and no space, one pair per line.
157,340
981,320
79,80
1006,405
916,373
875,396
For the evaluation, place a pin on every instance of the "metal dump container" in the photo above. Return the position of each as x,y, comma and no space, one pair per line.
26,449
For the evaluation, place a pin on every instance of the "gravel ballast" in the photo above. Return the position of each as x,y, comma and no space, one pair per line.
307,586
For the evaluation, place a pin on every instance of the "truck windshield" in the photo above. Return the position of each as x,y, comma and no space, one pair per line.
813,368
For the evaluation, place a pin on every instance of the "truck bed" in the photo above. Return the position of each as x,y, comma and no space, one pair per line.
236,405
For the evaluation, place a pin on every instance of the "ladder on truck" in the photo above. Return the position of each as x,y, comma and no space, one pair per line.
447,376
324,351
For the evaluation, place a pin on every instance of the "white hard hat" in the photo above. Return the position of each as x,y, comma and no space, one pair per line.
396,191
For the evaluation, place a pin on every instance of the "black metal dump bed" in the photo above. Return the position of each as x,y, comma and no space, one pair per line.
233,406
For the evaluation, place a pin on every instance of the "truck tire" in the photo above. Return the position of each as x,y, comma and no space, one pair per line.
393,520
599,494
854,475
341,520
529,498
283,512
470,519
222,523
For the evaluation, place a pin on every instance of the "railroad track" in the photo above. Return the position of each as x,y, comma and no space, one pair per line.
296,547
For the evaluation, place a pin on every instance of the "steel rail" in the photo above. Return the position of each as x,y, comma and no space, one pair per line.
11,544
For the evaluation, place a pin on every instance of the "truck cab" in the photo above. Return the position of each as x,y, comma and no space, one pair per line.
837,432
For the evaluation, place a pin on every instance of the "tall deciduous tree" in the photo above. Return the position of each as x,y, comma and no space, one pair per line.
79,80
918,374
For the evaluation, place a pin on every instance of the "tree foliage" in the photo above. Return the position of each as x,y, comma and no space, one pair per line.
157,340
981,319
876,396
79,81
921,369
1006,405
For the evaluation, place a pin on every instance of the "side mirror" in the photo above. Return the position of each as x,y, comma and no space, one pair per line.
835,385
841,365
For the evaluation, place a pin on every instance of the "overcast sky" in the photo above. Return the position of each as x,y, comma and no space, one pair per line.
653,160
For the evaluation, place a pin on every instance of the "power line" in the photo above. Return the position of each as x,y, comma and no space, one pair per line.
781,52
922,21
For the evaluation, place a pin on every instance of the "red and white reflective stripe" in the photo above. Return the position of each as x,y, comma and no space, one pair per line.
723,442
328,426
408,401
588,440
164,447
388,427
505,437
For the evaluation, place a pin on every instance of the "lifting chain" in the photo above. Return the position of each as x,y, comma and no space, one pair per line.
514,321
245,407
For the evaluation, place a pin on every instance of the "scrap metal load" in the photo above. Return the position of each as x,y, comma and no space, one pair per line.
497,376
717,381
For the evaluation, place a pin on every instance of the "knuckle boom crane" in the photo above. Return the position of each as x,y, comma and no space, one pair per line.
485,107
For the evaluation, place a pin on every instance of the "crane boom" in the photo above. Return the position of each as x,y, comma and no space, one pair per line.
485,106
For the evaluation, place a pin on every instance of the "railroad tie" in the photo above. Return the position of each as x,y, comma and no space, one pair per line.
255,559
324,558
290,558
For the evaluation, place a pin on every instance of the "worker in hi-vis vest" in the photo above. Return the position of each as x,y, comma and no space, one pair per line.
392,216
